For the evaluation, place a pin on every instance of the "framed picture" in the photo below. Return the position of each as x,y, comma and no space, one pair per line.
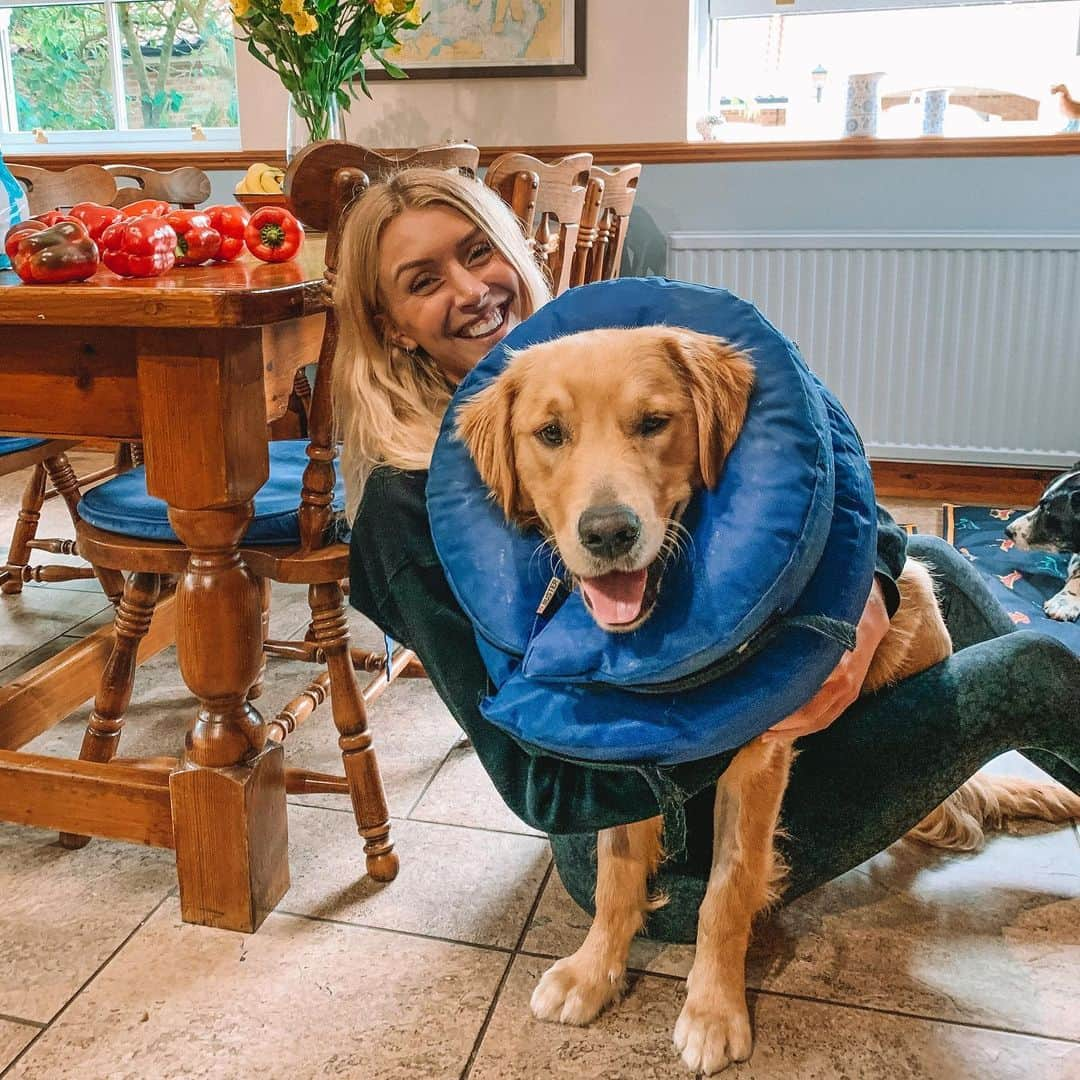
474,39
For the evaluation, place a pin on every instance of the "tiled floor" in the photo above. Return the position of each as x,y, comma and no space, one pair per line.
912,965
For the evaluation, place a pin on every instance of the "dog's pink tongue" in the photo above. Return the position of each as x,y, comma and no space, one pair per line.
615,598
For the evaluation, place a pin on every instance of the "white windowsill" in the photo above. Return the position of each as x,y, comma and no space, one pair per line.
113,142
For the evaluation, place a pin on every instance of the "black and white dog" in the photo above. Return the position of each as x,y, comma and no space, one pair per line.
1054,525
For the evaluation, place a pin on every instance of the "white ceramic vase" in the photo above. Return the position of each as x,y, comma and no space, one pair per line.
863,103
934,103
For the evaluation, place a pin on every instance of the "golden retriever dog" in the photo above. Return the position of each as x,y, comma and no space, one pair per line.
600,439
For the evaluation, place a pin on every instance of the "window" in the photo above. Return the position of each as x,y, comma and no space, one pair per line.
117,74
784,76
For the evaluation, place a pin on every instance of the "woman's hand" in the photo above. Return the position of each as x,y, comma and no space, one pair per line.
842,687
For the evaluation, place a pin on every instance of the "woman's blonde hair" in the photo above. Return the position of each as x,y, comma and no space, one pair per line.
389,402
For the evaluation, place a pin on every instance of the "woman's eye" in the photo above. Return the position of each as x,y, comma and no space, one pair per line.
480,251
650,425
552,435
421,283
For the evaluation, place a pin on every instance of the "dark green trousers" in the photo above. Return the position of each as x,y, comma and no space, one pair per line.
855,787
893,756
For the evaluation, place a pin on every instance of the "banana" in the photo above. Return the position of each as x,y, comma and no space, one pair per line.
271,181
257,177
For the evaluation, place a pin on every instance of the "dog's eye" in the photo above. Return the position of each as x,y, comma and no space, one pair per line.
552,435
650,425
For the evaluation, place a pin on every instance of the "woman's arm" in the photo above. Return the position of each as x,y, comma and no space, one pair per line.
841,688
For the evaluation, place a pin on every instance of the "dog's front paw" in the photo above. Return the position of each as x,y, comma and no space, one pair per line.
1064,606
574,991
711,1035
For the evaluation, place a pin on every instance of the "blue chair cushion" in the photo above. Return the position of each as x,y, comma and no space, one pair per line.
122,505
12,444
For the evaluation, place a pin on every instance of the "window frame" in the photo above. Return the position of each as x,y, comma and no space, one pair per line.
120,138
700,69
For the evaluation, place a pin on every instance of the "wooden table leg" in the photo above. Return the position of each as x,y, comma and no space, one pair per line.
204,422
228,793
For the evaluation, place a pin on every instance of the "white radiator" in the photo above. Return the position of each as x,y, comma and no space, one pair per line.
941,347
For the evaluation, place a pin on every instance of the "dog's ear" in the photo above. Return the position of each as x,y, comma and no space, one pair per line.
720,378
483,425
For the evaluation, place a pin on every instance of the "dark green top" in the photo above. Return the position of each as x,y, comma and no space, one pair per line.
397,581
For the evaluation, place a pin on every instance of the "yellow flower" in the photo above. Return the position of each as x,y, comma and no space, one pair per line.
305,24
383,7
240,8
400,5
292,7
415,16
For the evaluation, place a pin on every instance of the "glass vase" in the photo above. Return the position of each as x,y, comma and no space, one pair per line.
311,121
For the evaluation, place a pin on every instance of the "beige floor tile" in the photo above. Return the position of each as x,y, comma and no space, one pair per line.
13,1037
794,1039
30,660
36,616
412,731
64,912
991,939
300,999
463,794
455,883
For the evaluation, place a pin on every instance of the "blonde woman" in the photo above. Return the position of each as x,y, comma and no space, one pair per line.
434,271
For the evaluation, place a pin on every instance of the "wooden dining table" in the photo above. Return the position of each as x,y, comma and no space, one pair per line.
192,364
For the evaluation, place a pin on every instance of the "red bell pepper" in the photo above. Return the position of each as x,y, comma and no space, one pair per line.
273,234
63,252
139,247
151,207
196,240
95,217
51,218
18,231
230,222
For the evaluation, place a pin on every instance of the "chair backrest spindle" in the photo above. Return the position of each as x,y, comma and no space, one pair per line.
317,494
620,190
553,217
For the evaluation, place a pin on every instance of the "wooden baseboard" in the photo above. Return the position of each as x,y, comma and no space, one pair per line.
986,484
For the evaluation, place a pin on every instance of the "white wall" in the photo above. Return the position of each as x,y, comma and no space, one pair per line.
635,91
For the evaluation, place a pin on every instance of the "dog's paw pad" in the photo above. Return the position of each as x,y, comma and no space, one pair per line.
574,993
1063,607
710,1039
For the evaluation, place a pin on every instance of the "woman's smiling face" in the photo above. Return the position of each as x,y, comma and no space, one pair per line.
445,287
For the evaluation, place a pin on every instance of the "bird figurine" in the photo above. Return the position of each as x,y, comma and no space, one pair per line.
1070,108
197,133
39,135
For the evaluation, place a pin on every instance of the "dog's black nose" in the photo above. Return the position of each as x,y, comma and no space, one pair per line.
1010,530
609,531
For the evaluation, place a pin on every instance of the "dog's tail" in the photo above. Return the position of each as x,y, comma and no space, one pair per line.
990,802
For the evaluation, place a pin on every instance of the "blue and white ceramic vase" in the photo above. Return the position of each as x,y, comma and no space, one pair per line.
934,103
863,103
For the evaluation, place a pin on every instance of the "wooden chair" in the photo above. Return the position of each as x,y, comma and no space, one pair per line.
312,558
620,190
548,200
186,187
51,473
311,171
51,189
